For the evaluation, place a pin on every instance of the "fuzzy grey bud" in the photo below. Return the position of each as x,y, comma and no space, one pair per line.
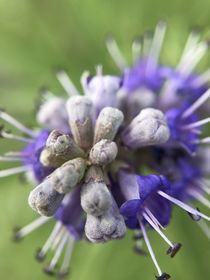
103,152
148,128
46,197
53,115
107,227
95,196
102,90
107,124
66,177
79,110
45,200
59,149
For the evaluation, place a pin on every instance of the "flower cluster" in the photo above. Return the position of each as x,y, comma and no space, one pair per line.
88,160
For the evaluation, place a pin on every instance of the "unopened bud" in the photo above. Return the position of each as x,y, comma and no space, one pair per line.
102,90
103,152
109,226
107,124
45,200
66,177
53,115
79,110
95,198
59,149
148,128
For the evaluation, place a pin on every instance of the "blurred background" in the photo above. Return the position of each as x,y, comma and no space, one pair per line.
38,36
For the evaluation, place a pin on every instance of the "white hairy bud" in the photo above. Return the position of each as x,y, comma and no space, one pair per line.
103,152
53,115
108,123
79,110
109,226
66,177
59,149
95,196
102,90
148,128
44,199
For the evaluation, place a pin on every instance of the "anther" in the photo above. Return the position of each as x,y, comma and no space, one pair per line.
163,276
138,250
17,236
40,256
49,271
195,217
172,251
62,274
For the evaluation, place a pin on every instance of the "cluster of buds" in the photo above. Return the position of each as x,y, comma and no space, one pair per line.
83,158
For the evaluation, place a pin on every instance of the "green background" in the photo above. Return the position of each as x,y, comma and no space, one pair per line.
35,38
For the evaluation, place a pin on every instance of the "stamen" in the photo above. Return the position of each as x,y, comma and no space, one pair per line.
58,237
157,42
195,218
146,239
67,83
198,196
43,251
197,124
11,136
202,79
147,40
204,227
199,102
202,141
46,94
15,154
192,58
30,228
155,227
12,171
6,117
136,49
204,187
192,41
11,159
138,248
153,218
164,276
116,53
63,272
99,70
183,205
49,269
172,251
137,235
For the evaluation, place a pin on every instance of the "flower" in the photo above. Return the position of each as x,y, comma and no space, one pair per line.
88,160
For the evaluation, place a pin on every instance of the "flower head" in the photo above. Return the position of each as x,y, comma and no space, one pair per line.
89,160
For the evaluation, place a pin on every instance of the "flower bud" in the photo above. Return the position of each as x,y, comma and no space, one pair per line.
53,115
44,199
95,196
66,177
102,90
148,128
108,123
103,152
59,149
79,110
109,226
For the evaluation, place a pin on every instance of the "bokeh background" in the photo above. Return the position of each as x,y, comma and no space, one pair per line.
35,38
